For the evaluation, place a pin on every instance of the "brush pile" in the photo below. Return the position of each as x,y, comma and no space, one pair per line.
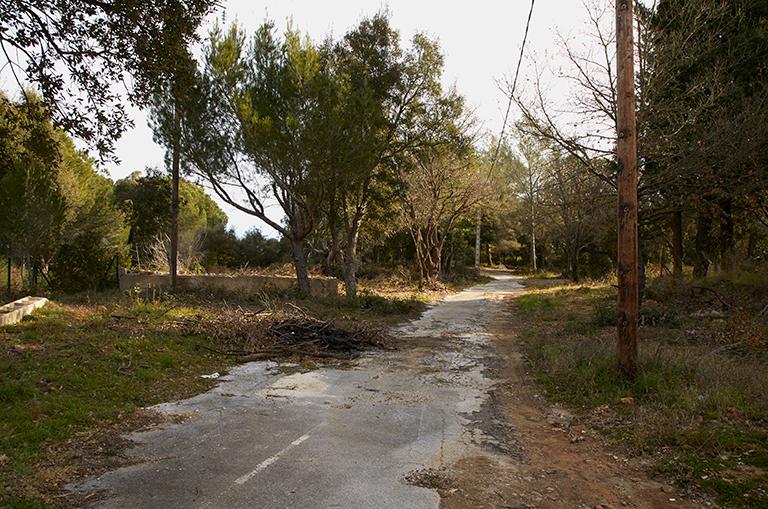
288,333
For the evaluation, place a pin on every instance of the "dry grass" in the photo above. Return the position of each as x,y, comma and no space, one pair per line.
698,407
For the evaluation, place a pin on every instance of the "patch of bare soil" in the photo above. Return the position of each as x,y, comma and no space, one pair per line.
89,454
547,459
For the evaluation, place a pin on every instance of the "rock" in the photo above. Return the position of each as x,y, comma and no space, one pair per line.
629,401
560,418
708,313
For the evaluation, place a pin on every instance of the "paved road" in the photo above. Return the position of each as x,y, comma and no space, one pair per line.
330,437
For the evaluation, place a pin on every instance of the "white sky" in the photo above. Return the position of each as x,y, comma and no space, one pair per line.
480,40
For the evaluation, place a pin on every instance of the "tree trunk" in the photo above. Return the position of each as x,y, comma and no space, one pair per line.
575,276
478,231
349,268
642,277
726,235
300,263
677,243
751,245
573,264
534,267
703,227
173,256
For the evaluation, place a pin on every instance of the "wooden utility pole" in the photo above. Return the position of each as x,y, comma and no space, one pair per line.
628,266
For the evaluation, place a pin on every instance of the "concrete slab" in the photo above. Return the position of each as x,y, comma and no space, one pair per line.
15,311
327,438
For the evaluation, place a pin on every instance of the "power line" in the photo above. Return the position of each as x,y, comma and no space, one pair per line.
514,86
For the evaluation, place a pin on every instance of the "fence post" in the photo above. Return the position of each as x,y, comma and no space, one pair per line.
9,276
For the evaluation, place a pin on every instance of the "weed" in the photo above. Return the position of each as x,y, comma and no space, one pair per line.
604,313
538,305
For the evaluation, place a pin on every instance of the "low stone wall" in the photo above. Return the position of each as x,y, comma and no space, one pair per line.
243,285
15,311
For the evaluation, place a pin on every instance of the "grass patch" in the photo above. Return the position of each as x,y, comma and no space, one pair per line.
698,405
70,369
371,306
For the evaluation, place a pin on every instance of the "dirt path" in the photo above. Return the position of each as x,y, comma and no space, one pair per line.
557,463
446,420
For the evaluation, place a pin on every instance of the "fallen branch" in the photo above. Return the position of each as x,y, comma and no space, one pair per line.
714,292
288,333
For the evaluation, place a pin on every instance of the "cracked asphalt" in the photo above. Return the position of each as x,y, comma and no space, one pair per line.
329,437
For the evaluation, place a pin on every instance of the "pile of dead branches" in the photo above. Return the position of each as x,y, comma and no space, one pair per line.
288,333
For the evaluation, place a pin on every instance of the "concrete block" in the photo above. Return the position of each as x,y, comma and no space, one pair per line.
15,311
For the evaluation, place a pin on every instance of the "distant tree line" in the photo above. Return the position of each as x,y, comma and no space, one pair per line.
59,220
205,243
373,162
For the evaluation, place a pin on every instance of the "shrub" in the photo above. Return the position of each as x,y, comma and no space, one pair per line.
604,313
83,263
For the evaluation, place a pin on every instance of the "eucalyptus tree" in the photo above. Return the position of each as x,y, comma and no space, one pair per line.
578,205
259,128
528,183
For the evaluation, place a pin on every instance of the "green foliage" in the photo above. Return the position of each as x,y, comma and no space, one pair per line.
58,212
78,53
30,195
543,307
604,313
146,201
259,251
329,130
33,211
281,98
95,232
